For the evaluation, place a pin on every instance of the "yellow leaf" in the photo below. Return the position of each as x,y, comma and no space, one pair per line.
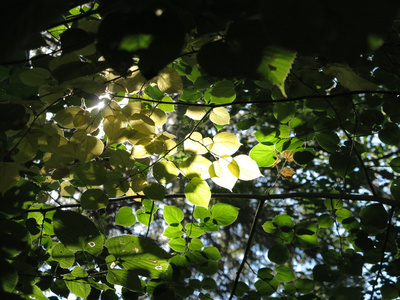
221,174
248,167
114,126
169,81
49,94
224,143
138,183
87,146
157,115
81,119
61,146
287,173
195,112
220,116
65,117
135,82
140,151
195,166
132,108
112,108
165,171
134,136
26,149
9,176
142,123
196,144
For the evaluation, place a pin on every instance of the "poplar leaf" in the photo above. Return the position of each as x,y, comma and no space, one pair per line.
9,176
198,192
220,116
169,81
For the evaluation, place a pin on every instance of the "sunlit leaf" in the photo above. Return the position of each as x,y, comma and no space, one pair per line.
196,144
195,112
224,143
221,175
9,176
224,214
198,192
248,168
195,166
87,146
220,116
125,217
165,171
223,92
63,255
169,81
94,199
173,215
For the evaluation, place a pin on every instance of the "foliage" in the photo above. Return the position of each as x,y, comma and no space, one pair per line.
200,149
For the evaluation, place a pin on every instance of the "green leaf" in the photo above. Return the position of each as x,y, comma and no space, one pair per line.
173,215
165,171
154,191
63,255
125,217
304,286
193,230
332,204
209,284
8,276
198,192
325,273
390,134
246,124
395,164
284,111
374,218
9,176
172,231
138,254
266,288
77,232
178,244
94,199
279,253
195,244
284,274
35,77
325,221
275,66
389,291
91,173
76,283
395,189
224,214
263,155
127,278
135,42
327,140
223,92
212,253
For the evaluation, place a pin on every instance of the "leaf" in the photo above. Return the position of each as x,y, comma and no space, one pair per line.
94,199
125,217
287,173
9,176
196,112
195,166
178,244
169,81
91,173
77,232
284,111
87,146
223,92
224,214
154,191
374,218
263,155
211,253
79,287
248,168
35,77
173,215
126,278
139,254
220,116
198,192
221,174
275,66
63,255
279,253
196,144
8,276
284,274
165,171
348,78
224,143
327,140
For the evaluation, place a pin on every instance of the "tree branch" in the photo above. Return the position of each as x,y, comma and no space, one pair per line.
350,197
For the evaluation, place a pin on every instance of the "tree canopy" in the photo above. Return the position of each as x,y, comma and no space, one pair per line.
196,149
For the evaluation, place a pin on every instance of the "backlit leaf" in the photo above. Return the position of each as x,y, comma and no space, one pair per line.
224,214
195,112
125,217
195,166
196,144
63,255
9,176
224,143
221,175
154,191
173,215
248,168
165,171
198,192
169,81
220,116
94,199
223,92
